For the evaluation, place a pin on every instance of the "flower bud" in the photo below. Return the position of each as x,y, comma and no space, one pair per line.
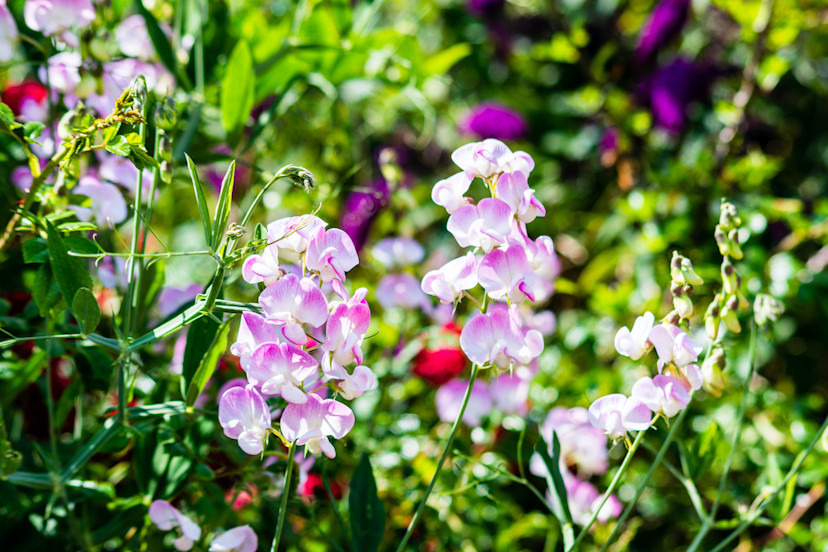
138,91
166,114
767,309
712,369
712,317
730,320
735,248
683,305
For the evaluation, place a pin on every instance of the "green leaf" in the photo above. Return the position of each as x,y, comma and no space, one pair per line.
32,130
77,227
237,90
560,504
95,368
223,207
119,145
69,272
35,251
86,310
158,38
109,133
367,511
201,200
208,364
441,62
201,333
10,459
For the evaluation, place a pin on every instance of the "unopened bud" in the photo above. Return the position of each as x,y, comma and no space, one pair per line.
166,114
683,306
712,369
676,289
138,91
731,321
300,176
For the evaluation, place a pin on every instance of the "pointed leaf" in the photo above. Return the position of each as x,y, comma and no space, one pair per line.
202,332
201,200
223,207
560,504
237,90
208,364
35,251
69,272
367,511
86,310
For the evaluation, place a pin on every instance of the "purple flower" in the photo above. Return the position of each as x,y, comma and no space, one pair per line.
244,415
331,253
294,302
56,17
401,290
312,423
391,252
280,369
360,208
166,517
661,27
8,33
671,89
584,499
238,539
448,282
107,204
493,120
485,7
449,399
583,446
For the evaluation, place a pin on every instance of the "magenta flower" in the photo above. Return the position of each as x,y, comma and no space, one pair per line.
344,333
107,203
661,27
351,386
449,192
56,17
493,120
292,235
398,252
485,225
238,539
496,338
331,253
166,517
401,290
449,399
635,343
244,415
503,274
8,33
513,188
294,302
280,369
673,345
254,330
490,157
312,423
264,267
661,394
617,414
448,282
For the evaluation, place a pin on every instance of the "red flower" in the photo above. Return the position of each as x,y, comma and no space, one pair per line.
440,365
14,95
314,488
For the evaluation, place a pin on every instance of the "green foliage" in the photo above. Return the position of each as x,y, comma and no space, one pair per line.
367,512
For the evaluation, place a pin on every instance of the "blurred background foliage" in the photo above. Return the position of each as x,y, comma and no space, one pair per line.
635,139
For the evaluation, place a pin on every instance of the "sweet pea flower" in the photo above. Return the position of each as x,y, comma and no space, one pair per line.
166,517
673,345
398,252
583,446
617,414
401,290
280,369
448,282
56,17
120,170
134,40
513,188
312,423
294,302
510,392
503,274
354,385
264,267
344,333
254,330
108,205
449,399
449,192
662,394
493,120
490,157
584,499
118,75
663,26
484,225
244,415
62,72
438,366
496,338
292,235
8,33
238,539
331,253
633,343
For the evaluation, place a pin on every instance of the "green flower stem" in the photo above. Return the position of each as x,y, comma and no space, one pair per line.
616,480
692,491
274,546
769,499
413,523
641,486
734,442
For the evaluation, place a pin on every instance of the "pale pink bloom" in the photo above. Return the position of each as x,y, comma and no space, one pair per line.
617,414
107,206
331,253
543,262
264,267
691,377
294,302
344,332
134,40
254,330
230,384
583,499
22,178
120,170
292,235
485,225
449,192
177,361
544,321
33,110
513,188
312,423
582,445
673,345
634,343
244,415
353,385
238,539
496,338
62,72
174,297
166,517
398,252
401,290
510,392
662,394
448,282
52,17
503,274
280,369
8,33
490,157
449,399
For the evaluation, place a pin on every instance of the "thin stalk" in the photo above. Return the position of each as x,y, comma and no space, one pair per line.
442,459
692,491
734,441
616,480
285,492
641,486
791,473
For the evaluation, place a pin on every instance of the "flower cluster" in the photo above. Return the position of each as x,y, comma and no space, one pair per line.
166,517
310,331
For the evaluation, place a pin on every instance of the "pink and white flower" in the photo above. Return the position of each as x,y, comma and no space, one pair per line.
62,72
401,290
583,446
293,302
244,415
237,539
264,267
448,282
510,392
513,188
449,192
673,345
166,517
344,333
503,274
398,252
292,235
8,33
314,422
331,253
56,17
490,157
662,394
254,330
449,399
280,369
353,385
496,338
617,414
485,225
584,499
107,203
634,343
